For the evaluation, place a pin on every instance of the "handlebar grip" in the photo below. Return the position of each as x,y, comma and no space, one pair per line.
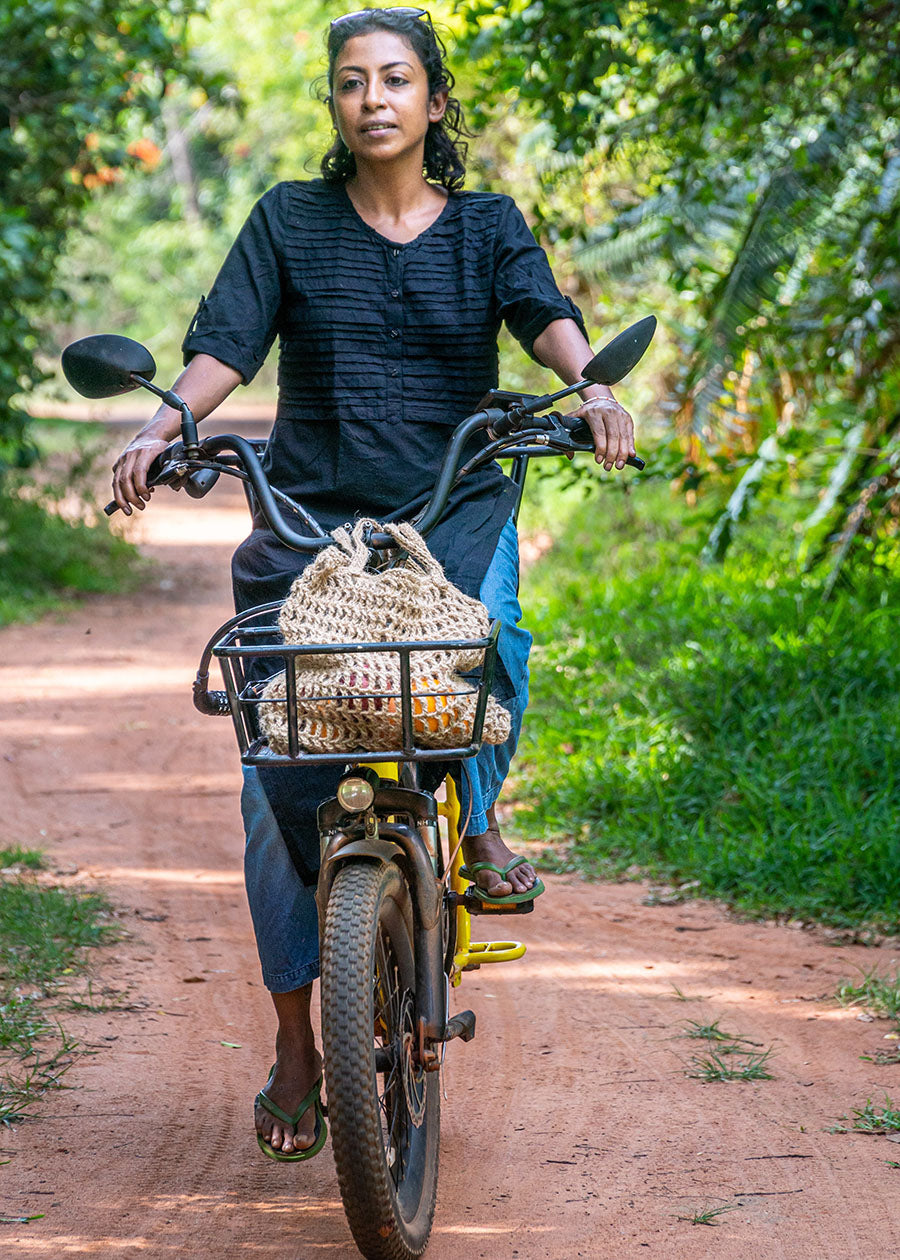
156,467
580,432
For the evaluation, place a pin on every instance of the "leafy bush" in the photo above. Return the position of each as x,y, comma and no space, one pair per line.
715,723
44,557
72,72
746,155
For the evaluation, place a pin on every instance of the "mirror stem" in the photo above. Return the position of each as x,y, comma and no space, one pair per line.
189,435
547,400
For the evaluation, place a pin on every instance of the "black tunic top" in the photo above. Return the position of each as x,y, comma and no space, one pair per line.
383,348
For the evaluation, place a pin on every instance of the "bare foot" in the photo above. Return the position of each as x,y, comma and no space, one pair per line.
489,847
298,1065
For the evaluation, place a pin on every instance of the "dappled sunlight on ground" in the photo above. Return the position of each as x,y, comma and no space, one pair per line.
36,728
190,525
162,875
104,781
235,1201
74,679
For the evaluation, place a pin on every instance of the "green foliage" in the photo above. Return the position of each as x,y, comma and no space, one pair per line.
73,73
874,1119
43,934
745,1063
750,153
213,154
15,855
717,724
879,994
42,929
51,545
707,1216
746,1066
29,1082
21,1023
712,1032
45,557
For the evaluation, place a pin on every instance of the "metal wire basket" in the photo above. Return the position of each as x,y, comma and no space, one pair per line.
251,653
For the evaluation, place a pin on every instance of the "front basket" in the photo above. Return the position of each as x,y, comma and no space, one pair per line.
252,655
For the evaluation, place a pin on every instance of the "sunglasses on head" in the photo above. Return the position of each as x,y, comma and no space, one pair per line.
400,10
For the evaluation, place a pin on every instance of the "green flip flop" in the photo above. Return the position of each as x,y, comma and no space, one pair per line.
312,1099
511,899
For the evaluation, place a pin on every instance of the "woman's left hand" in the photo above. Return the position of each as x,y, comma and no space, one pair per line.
612,428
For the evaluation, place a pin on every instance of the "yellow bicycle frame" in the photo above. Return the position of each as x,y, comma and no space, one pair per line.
469,954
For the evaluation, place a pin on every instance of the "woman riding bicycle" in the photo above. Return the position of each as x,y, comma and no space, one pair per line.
386,286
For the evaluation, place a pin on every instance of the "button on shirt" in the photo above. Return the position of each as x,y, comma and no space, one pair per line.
383,347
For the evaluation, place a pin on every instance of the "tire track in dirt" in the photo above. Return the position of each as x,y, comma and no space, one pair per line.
572,1127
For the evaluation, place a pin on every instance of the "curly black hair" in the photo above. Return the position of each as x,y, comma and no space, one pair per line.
445,150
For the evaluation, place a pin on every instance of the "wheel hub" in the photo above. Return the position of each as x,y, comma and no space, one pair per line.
412,1074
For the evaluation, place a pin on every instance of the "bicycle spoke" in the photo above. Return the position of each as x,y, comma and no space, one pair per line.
387,1003
392,1098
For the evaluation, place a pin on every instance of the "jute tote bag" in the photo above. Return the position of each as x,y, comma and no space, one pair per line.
352,701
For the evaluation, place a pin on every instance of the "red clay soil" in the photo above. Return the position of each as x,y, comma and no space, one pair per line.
573,1126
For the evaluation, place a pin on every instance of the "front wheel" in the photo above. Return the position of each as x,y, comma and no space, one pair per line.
384,1110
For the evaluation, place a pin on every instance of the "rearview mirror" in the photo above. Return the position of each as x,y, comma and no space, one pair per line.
105,365
618,358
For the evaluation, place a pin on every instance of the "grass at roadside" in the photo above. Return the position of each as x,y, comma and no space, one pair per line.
43,935
707,1216
713,723
872,1119
877,994
30,859
51,548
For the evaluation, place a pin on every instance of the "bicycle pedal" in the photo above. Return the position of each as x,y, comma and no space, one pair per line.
474,905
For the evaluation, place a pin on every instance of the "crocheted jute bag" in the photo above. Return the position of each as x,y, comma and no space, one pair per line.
352,701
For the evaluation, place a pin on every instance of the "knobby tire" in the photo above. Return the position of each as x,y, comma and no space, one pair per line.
387,1166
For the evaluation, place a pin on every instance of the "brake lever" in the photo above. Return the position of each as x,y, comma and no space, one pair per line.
165,473
578,436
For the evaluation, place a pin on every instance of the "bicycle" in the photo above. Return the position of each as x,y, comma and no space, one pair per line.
394,910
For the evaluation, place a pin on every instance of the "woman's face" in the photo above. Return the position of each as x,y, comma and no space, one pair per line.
380,100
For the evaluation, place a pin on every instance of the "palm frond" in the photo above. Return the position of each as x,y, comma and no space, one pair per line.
834,488
779,226
660,224
869,466
628,247
852,526
741,500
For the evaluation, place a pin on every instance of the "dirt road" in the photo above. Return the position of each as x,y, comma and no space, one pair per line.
572,1126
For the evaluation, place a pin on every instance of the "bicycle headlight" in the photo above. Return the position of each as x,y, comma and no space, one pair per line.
355,794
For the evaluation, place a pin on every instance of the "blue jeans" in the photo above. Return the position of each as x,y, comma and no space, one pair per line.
282,907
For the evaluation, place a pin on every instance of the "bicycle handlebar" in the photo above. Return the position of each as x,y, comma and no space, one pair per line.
172,467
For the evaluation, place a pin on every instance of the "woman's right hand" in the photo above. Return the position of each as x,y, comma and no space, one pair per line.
203,384
130,470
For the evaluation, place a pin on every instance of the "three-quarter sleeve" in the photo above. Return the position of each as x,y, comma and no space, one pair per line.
238,321
526,295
